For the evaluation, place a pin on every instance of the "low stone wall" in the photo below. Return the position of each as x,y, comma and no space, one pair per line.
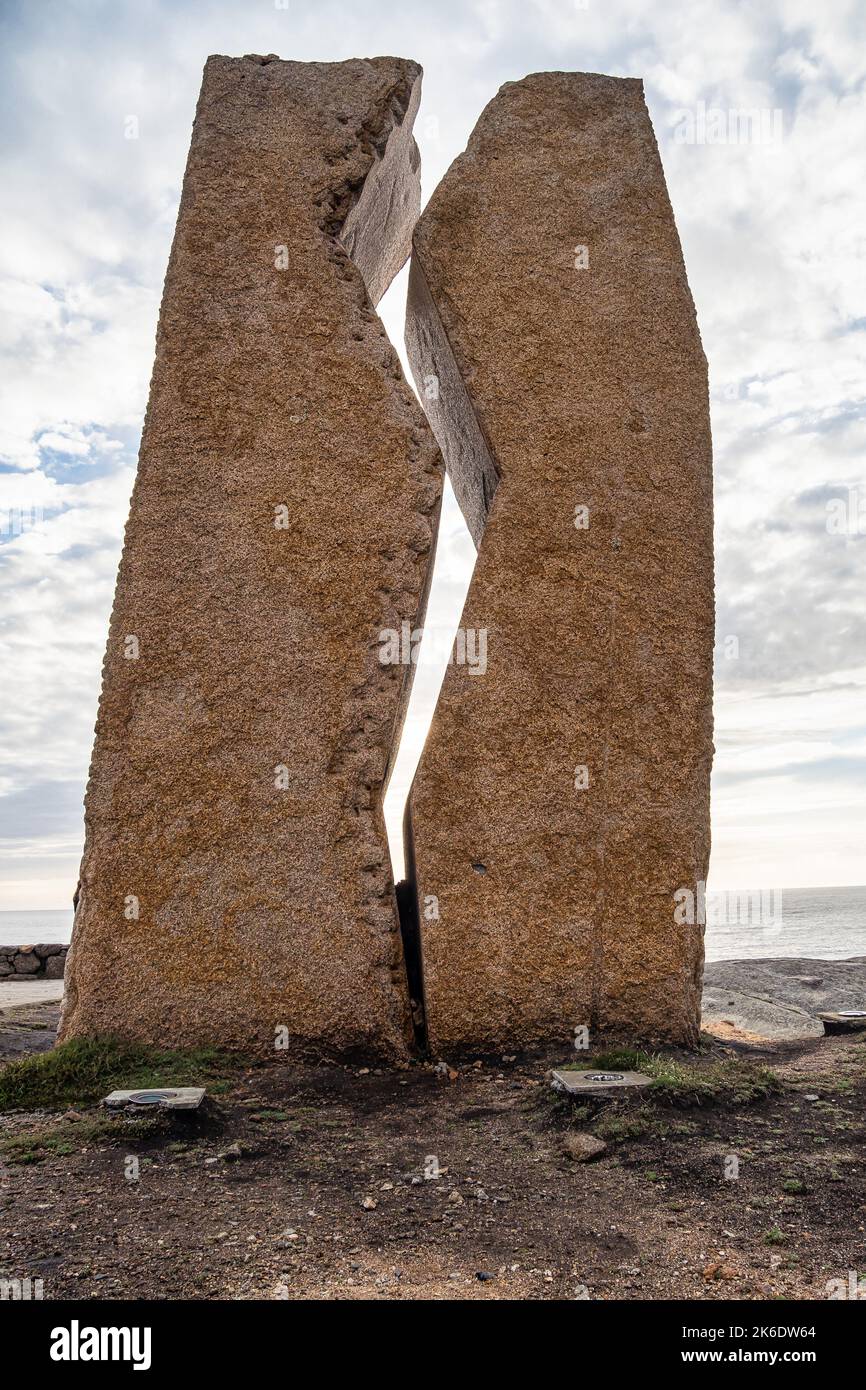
32,962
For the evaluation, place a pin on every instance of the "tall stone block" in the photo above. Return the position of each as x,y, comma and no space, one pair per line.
236,883
563,797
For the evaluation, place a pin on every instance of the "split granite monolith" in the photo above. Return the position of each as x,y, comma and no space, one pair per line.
236,884
562,800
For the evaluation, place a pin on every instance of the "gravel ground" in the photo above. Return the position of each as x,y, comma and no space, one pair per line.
324,1182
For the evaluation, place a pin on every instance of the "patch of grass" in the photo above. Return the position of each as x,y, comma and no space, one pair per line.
775,1237
794,1186
731,1081
830,1083
631,1124
638,1122
34,1146
86,1069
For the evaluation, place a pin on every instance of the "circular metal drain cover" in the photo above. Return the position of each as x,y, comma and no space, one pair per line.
151,1097
602,1076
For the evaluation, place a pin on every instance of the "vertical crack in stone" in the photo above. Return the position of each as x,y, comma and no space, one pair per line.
236,880
550,314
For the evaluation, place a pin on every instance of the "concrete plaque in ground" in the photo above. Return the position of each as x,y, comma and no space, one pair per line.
161,1098
584,1083
236,884
562,799
845,1021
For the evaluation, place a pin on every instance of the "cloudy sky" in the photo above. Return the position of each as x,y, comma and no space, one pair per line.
772,228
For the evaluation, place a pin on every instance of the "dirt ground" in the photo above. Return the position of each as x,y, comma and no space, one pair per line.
330,1183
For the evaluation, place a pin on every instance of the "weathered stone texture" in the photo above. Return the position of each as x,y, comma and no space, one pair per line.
262,905
558,388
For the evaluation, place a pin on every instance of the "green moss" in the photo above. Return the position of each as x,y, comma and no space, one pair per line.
85,1069
638,1122
630,1124
775,1237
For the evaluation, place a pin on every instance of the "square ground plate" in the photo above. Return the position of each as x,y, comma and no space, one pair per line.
585,1083
844,1021
160,1098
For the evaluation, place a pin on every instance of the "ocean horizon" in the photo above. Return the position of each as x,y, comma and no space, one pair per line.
741,924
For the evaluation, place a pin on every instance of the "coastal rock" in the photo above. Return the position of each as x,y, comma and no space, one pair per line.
780,998
26,963
236,885
562,799
731,1014
55,967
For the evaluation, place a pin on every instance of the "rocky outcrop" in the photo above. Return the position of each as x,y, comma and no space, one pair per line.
562,799
236,885
780,1000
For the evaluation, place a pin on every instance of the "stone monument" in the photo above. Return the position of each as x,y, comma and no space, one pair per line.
236,885
562,799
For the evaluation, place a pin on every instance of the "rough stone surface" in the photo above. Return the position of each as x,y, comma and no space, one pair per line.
236,877
557,388
583,1148
780,999
731,1014
26,963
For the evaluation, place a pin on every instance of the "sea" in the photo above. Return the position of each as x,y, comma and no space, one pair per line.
31,928
824,923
